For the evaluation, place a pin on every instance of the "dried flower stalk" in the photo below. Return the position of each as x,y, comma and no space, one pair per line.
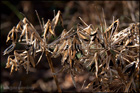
111,55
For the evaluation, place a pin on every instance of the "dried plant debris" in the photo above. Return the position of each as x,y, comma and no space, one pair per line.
30,38
112,55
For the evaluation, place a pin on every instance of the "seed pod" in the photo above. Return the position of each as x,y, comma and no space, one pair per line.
9,49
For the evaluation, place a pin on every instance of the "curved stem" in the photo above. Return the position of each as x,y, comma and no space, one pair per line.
53,71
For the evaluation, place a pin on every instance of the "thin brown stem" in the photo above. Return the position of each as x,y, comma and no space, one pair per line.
53,71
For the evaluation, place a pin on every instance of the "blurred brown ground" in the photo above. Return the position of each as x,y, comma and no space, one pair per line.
40,79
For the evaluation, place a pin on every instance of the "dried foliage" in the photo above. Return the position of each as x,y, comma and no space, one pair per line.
110,54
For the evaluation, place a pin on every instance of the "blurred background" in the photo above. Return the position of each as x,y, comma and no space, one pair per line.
40,78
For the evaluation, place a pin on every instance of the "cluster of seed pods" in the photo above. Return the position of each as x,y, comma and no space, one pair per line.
112,55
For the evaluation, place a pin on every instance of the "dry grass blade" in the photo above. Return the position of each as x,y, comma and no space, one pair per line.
46,29
39,20
40,57
83,21
55,20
